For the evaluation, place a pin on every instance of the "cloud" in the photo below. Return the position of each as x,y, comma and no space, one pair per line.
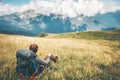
111,5
7,9
43,25
66,8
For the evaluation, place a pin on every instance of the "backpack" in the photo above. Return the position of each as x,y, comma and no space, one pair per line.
25,61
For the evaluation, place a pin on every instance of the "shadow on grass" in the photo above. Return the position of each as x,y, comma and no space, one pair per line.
110,72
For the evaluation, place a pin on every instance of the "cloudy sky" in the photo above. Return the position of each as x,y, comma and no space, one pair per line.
70,8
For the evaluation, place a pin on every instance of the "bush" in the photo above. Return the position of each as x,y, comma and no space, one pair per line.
42,34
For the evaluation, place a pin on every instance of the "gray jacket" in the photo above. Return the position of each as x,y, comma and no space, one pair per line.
24,53
40,61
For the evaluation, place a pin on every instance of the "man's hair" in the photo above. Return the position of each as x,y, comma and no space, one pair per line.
33,47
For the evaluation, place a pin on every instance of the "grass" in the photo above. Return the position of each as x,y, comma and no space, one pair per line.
92,35
79,58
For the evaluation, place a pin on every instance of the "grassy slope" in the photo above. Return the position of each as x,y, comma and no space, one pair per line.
82,56
93,35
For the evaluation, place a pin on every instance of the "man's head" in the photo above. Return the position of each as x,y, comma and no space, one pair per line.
33,47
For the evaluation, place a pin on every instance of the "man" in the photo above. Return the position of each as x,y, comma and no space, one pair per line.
28,63
38,61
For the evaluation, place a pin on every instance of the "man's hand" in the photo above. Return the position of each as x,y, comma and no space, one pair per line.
54,58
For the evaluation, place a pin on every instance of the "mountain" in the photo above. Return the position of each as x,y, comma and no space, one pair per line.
31,23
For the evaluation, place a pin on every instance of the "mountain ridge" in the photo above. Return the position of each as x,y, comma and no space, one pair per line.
111,35
30,23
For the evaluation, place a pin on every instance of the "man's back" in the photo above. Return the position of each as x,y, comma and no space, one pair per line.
25,54
24,60
28,62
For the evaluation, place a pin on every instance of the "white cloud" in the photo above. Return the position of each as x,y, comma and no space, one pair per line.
66,8
43,25
6,9
111,5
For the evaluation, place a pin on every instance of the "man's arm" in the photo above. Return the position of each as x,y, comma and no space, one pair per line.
41,61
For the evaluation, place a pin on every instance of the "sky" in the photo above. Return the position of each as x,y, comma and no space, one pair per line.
16,2
66,8
23,2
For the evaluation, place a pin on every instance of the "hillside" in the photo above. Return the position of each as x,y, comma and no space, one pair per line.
81,57
92,35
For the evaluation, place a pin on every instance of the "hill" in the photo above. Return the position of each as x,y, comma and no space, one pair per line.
80,58
91,35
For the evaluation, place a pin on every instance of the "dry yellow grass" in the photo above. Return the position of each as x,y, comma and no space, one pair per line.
79,59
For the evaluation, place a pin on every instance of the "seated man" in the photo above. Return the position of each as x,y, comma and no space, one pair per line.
28,63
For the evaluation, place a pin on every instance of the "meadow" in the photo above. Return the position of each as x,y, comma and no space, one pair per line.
82,56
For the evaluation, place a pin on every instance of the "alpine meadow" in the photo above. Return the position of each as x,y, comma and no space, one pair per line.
93,55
